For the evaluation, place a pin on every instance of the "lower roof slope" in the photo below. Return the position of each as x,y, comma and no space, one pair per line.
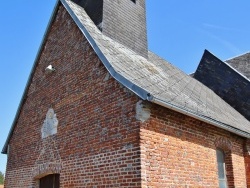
163,83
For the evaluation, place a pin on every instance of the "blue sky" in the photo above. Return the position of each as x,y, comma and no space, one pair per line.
178,30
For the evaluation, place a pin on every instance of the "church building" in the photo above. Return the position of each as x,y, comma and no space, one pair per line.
101,111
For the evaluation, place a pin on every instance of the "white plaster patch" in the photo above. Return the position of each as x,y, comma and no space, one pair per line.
142,111
106,77
50,124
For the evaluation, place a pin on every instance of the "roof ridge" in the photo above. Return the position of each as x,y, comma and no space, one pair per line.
236,71
234,57
166,61
242,75
137,75
134,72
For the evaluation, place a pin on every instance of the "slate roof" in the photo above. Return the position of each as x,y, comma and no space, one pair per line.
241,63
154,79
163,82
225,81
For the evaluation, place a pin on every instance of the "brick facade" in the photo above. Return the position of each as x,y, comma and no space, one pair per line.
99,141
98,134
179,151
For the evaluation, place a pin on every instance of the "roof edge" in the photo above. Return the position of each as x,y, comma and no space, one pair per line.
134,88
227,64
236,71
125,82
200,117
234,57
128,84
5,147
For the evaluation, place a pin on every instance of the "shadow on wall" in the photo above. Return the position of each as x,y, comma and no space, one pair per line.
181,148
166,123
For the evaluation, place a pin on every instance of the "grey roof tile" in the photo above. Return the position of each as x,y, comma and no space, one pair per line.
241,63
225,81
161,79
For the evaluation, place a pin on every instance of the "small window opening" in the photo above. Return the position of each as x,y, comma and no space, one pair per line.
221,168
134,1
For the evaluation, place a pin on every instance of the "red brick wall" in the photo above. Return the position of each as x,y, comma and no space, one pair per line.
179,151
247,160
99,141
98,135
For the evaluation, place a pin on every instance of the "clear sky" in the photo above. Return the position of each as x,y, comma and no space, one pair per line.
178,30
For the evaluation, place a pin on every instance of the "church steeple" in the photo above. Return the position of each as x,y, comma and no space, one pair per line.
121,20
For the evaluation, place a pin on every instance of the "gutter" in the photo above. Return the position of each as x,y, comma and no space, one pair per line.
121,79
140,91
143,94
128,84
200,117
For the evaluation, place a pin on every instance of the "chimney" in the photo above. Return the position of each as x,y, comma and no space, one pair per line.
122,20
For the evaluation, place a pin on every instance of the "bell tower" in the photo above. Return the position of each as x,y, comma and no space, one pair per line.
122,20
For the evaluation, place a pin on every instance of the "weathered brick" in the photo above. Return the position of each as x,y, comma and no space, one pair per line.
98,134
99,141
181,152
